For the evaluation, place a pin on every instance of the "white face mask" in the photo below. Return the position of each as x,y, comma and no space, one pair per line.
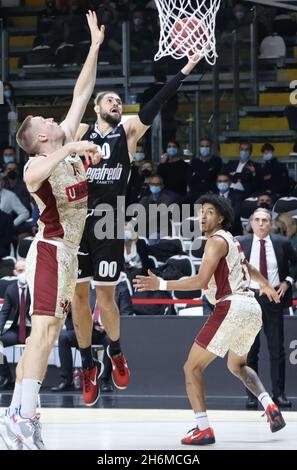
22,279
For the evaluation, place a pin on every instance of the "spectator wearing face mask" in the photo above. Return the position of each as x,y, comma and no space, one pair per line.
244,173
8,156
223,189
174,171
204,170
158,195
265,201
14,183
136,179
274,174
146,170
16,307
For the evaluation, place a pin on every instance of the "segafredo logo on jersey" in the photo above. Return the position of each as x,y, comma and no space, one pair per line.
77,191
105,173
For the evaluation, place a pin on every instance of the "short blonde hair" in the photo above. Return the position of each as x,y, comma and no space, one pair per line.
25,137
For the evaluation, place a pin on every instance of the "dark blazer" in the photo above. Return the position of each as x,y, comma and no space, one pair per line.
11,306
286,257
250,183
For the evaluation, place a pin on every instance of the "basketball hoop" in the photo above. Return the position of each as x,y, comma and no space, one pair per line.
187,29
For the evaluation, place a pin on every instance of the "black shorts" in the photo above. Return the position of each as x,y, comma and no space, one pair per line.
99,259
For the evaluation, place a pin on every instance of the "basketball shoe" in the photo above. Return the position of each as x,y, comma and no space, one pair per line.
9,439
91,386
28,431
274,417
195,437
120,370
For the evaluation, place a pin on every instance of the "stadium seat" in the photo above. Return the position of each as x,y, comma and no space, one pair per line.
286,204
24,246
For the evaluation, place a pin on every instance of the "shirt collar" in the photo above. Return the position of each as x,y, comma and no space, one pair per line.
267,239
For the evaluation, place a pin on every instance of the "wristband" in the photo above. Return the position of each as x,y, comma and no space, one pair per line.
163,284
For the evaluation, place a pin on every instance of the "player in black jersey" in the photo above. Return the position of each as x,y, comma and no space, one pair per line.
101,258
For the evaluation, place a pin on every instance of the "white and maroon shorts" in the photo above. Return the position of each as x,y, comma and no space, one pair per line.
233,325
51,271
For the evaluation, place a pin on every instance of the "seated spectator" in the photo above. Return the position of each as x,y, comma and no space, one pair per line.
141,36
157,197
235,197
67,340
8,156
15,307
47,17
15,183
265,200
136,179
11,204
245,174
274,174
174,171
203,170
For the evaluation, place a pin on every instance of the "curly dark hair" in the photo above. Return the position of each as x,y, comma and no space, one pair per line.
222,205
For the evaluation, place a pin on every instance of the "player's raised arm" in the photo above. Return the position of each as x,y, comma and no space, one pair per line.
86,81
136,127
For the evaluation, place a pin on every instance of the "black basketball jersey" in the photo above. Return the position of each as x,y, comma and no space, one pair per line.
108,179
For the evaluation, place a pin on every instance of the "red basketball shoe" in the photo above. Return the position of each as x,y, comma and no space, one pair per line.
91,387
120,370
275,418
195,437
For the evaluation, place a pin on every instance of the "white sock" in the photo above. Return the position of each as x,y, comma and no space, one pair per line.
16,399
202,420
265,400
30,390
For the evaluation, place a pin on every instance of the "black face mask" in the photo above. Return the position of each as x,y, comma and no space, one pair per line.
264,205
146,173
12,175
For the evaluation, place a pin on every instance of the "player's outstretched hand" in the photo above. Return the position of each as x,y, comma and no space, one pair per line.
97,34
90,151
150,282
271,293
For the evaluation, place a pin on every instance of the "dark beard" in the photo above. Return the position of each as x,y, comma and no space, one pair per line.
113,121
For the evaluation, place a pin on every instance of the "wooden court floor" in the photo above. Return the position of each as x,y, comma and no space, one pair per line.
143,429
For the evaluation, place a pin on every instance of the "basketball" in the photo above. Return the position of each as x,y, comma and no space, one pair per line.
188,35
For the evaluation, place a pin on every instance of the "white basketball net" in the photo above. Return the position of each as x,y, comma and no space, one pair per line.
194,35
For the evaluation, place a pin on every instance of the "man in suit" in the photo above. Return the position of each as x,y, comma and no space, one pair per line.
16,307
273,256
244,173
